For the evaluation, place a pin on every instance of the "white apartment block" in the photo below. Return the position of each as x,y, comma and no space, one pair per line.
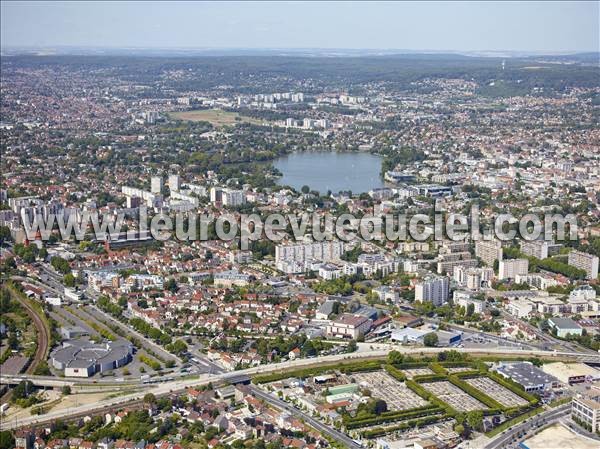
326,251
521,308
349,326
178,196
537,280
197,189
434,290
156,184
134,191
174,184
535,248
586,409
464,299
227,197
473,278
488,251
586,262
586,292
511,268
328,271
449,262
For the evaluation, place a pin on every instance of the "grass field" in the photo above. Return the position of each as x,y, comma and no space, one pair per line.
215,117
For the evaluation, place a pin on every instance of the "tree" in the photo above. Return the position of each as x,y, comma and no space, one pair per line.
69,280
66,390
352,346
5,234
475,419
170,363
149,398
23,390
395,357
6,440
42,369
470,309
305,189
171,285
178,347
61,265
9,264
378,406
430,339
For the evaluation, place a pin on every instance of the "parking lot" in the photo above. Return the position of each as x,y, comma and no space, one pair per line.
494,390
396,394
412,372
454,396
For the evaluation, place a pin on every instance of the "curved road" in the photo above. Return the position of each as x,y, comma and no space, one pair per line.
525,427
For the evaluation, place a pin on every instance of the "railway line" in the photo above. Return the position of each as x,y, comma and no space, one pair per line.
43,338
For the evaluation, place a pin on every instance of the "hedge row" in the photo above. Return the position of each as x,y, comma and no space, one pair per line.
458,364
437,368
303,373
420,422
391,417
471,373
429,378
357,367
395,372
410,365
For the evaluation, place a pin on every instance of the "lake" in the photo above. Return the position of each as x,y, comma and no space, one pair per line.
323,171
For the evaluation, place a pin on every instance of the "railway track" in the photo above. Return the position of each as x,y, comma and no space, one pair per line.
43,334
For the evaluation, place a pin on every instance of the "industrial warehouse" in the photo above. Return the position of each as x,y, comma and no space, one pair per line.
82,358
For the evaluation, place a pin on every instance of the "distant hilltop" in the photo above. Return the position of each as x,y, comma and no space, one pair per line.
303,52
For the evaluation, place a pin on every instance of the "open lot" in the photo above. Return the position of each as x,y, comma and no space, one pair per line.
500,393
215,117
454,396
396,394
558,436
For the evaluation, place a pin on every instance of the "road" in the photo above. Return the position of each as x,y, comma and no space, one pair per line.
520,431
282,405
545,337
217,374
179,385
146,341
276,402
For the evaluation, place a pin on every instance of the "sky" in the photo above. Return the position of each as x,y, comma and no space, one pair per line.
456,26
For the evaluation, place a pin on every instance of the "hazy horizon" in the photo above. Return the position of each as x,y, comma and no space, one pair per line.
524,27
